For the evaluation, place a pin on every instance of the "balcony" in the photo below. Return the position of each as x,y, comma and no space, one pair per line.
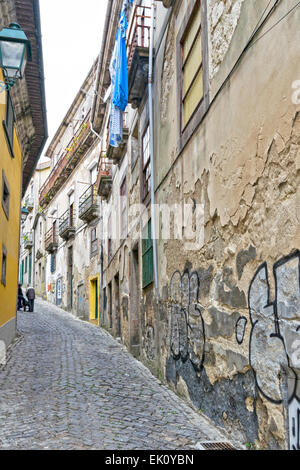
88,207
66,225
115,154
28,241
138,43
51,240
39,254
74,152
104,180
29,203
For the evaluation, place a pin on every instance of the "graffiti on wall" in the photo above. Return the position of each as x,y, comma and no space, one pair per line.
274,339
58,291
274,345
186,325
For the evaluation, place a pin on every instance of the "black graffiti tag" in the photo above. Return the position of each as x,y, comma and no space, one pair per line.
186,326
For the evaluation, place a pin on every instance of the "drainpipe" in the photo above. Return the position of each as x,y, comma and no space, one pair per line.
150,98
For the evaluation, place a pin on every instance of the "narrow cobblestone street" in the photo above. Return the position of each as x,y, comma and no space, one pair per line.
68,384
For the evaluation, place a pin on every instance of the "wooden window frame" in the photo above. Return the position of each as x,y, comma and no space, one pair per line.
94,241
5,198
71,214
187,130
9,124
3,265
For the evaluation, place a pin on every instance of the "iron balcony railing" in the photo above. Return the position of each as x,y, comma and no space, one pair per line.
51,239
138,31
88,200
65,160
104,180
66,221
28,240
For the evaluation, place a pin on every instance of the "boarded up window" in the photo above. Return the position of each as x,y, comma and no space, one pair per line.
192,70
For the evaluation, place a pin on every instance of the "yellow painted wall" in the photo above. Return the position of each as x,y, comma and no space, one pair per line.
9,229
92,297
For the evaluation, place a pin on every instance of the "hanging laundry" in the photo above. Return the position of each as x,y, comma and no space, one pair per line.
119,79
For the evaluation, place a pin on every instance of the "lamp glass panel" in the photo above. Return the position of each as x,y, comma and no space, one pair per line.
12,54
24,62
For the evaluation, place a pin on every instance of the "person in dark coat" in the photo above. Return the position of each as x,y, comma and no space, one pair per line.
30,294
21,299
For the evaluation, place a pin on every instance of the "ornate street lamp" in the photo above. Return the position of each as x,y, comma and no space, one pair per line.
14,52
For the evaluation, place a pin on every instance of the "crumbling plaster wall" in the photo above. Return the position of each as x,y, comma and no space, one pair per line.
223,16
242,164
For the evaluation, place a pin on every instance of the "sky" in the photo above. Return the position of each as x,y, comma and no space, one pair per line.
71,39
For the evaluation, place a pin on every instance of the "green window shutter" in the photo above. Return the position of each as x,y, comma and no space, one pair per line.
29,268
22,274
52,263
147,255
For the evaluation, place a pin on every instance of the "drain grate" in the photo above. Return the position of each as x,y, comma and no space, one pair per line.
215,446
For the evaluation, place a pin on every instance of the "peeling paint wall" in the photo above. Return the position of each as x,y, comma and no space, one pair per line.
228,313
222,19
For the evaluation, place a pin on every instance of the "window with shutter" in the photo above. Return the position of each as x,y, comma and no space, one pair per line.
53,263
94,242
192,58
147,255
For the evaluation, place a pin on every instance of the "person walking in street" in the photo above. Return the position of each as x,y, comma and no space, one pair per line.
21,300
30,294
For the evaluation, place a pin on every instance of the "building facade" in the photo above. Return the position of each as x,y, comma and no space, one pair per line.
218,318
22,137
32,250
195,227
69,203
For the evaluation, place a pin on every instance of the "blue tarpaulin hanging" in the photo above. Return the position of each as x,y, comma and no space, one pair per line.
119,79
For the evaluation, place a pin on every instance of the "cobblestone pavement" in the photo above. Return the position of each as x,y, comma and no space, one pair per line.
70,385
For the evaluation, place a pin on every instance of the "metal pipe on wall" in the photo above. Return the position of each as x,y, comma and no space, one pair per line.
151,128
